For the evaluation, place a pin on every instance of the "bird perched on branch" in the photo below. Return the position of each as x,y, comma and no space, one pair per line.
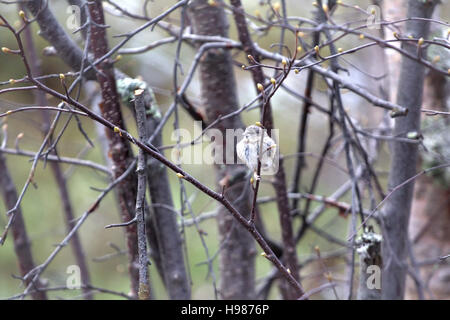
248,149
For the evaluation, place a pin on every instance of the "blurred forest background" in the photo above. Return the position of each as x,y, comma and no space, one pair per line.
41,206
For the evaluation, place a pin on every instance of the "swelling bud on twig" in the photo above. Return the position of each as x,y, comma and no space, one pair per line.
263,254
276,6
179,175
23,16
117,130
260,87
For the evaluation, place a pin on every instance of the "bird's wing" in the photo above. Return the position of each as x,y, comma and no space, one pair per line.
240,150
270,148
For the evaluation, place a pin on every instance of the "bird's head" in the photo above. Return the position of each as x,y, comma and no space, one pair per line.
252,132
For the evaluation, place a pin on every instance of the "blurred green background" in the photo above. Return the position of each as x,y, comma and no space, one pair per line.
41,206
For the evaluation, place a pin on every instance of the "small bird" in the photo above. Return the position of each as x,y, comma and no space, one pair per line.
248,149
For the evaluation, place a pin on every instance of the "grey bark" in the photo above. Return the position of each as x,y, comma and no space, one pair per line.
396,213
144,286
219,97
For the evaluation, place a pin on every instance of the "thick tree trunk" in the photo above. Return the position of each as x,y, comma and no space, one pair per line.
430,214
119,148
395,216
219,96
430,233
